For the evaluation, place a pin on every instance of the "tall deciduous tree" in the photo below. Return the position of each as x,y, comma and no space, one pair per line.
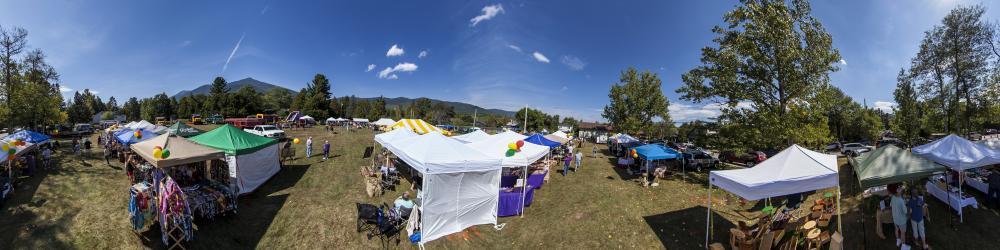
776,57
906,120
635,100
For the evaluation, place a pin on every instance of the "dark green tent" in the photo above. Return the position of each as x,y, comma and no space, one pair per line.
232,140
890,164
183,130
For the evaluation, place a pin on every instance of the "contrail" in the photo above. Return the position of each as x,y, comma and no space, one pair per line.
231,54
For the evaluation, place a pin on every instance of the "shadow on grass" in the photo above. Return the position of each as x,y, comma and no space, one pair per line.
245,228
685,229
16,219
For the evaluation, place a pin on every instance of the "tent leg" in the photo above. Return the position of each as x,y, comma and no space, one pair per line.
708,214
840,216
961,215
524,189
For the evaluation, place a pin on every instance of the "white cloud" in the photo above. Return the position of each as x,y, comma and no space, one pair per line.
185,43
885,106
489,12
392,77
423,53
95,92
266,7
564,88
402,67
573,62
680,112
231,54
843,62
514,47
370,68
540,57
394,51
64,89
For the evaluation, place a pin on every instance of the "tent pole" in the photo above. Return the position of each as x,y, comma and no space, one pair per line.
524,189
708,214
961,215
840,217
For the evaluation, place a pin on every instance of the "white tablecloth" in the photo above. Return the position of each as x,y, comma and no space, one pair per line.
978,185
955,203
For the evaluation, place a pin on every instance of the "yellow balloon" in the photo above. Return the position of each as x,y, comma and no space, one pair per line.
296,141
157,152
5,147
512,146
12,144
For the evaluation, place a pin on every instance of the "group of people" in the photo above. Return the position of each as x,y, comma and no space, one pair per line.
571,158
910,208
309,149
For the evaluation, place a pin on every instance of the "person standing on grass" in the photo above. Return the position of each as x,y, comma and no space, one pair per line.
918,213
567,160
993,196
899,215
594,151
107,155
86,147
326,150
309,147
579,161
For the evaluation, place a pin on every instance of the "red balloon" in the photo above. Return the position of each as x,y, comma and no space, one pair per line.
520,143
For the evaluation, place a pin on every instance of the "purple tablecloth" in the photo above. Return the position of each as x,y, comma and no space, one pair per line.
510,202
536,180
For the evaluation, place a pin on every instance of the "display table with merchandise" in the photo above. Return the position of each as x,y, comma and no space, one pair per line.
510,201
951,198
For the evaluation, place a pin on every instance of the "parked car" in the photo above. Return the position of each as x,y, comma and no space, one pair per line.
215,119
897,142
854,149
833,146
196,119
749,159
269,131
698,160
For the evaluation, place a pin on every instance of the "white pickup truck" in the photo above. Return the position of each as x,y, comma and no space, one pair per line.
269,131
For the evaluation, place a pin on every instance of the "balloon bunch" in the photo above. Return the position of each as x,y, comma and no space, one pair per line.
514,147
138,134
161,153
11,149
635,154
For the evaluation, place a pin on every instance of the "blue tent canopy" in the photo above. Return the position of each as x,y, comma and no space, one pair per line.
129,137
654,152
28,136
540,140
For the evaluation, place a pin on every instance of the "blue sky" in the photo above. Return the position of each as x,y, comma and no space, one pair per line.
558,56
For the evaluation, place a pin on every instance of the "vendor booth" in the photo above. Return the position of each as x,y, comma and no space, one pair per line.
460,185
512,199
555,138
129,136
791,171
474,136
561,135
890,164
174,181
183,130
252,159
653,152
538,139
416,125
28,136
958,154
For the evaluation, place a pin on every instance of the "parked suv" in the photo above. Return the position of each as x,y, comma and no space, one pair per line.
749,159
699,159
854,149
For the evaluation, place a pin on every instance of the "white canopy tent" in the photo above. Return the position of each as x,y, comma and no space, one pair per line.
496,145
958,154
384,122
147,126
360,120
561,134
991,143
461,186
793,170
471,137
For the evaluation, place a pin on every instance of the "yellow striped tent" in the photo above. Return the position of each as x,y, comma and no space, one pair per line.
416,125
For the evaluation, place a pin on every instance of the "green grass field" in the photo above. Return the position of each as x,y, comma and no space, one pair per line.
81,204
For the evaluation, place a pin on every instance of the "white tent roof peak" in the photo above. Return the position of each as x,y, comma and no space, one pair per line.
474,136
958,153
793,170
433,153
496,145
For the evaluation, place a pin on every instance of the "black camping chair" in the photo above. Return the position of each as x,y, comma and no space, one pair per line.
369,217
389,227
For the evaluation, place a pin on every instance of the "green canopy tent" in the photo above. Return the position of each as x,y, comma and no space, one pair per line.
890,164
252,159
183,130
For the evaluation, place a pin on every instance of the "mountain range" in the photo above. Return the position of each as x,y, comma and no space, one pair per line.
259,86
